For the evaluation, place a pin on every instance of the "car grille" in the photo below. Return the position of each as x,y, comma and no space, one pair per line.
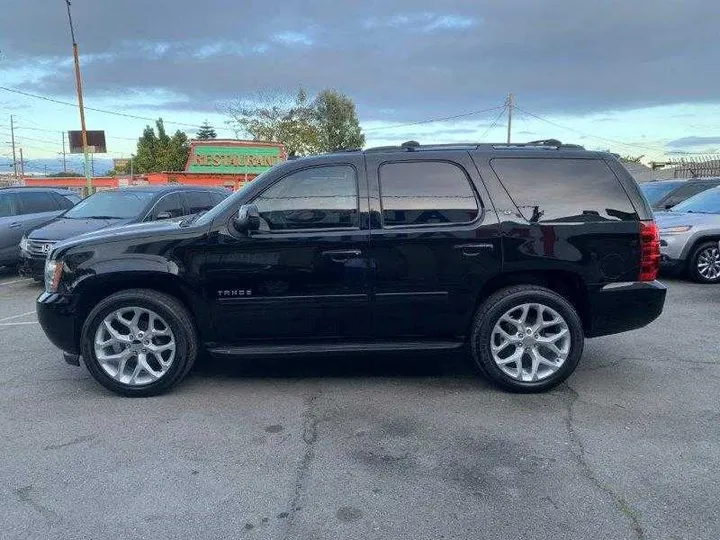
39,248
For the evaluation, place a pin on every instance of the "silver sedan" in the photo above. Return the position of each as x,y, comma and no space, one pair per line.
690,235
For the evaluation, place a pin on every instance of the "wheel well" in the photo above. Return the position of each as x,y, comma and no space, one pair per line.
695,244
105,287
567,284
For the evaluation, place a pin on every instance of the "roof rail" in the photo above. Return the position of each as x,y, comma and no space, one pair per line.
412,146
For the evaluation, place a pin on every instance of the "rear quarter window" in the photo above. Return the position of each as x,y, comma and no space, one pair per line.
564,190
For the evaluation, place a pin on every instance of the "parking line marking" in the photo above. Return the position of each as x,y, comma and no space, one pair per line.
15,281
17,323
17,316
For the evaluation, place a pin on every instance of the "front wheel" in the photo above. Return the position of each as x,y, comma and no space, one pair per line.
705,263
139,342
527,338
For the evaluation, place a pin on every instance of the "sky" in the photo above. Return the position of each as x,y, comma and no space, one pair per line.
637,77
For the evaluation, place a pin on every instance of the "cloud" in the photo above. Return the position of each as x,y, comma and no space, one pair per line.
419,61
690,142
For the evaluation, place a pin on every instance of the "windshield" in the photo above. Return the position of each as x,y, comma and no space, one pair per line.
654,191
215,211
111,205
707,202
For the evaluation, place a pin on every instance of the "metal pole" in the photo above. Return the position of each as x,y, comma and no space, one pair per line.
510,111
132,159
12,138
78,84
22,165
64,161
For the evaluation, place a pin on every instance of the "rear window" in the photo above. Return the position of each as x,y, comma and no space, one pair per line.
565,190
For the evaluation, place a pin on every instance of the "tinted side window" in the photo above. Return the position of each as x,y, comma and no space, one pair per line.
217,198
63,202
7,205
169,204
571,190
316,198
426,192
197,201
34,202
685,192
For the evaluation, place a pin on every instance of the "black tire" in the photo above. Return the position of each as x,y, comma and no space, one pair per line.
694,271
172,311
500,303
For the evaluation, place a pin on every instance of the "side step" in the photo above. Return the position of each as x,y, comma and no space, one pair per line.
334,348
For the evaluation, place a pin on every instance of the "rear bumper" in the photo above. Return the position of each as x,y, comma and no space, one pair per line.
619,307
56,316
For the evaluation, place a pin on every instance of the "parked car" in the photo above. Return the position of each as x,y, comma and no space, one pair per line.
665,194
24,208
689,237
113,208
519,252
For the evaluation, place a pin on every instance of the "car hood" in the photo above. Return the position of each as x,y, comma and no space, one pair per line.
63,228
676,219
139,230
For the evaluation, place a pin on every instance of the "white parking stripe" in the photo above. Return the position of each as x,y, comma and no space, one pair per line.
17,323
17,316
15,281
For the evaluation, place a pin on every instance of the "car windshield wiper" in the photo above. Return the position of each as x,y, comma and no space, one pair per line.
102,217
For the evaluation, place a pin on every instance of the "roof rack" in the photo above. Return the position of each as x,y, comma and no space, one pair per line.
412,146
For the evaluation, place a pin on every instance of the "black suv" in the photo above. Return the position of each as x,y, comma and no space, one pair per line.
519,252
113,208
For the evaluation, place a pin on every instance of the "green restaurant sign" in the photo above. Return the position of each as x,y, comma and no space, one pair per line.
233,158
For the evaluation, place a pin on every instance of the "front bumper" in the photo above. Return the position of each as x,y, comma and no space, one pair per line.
30,266
56,315
619,307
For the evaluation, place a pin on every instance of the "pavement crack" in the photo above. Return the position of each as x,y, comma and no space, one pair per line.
24,495
77,440
579,453
309,436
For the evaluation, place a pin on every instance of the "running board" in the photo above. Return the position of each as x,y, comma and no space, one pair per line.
334,348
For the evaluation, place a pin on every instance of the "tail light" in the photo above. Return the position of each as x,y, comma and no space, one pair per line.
649,250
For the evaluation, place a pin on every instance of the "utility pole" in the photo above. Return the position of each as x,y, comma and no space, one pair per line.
78,84
12,138
132,173
64,161
22,165
510,111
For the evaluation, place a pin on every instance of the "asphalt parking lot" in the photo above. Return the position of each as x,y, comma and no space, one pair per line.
368,447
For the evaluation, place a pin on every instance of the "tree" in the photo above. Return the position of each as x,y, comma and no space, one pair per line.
324,124
206,132
157,153
67,174
337,122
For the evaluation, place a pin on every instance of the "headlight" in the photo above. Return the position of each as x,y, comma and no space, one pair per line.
53,273
23,243
675,230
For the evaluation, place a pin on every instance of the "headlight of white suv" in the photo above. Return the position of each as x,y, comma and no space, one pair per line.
680,229
53,274
24,243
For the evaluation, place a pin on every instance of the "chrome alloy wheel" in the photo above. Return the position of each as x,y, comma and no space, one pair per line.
708,263
135,346
530,342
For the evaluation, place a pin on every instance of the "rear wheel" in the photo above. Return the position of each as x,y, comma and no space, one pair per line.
527,338
705,263
139,342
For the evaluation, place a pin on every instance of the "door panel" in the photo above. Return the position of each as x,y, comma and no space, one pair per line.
304,274
427,271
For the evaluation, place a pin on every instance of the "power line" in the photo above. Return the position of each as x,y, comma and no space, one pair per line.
58,131
588,134
104,111
495,123
431,120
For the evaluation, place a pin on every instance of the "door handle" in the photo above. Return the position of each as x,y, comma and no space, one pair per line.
473,250
342,255
15,225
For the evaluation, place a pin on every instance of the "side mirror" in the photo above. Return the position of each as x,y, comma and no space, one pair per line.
247,218
163,215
